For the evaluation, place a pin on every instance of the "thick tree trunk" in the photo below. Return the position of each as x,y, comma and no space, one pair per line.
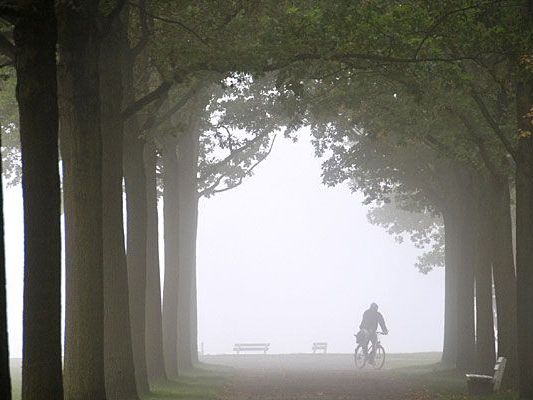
187,211
81,147
504,279
36,39
524,237
5,376
465,285
452,251
137,223
171,279
119,366
485,340
154,325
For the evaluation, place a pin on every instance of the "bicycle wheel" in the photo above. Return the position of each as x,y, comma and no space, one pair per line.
379,358
359,357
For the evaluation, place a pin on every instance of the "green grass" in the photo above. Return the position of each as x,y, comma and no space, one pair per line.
204,383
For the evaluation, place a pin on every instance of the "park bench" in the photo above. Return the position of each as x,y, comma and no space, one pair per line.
238,347
486,384
320,346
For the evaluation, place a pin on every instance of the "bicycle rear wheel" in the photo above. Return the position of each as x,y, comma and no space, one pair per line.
379,358
359,357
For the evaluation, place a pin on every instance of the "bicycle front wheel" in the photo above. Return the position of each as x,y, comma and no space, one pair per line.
379,358
359,357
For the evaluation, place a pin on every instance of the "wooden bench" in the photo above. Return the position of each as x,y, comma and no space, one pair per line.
238,347
486,384
320,346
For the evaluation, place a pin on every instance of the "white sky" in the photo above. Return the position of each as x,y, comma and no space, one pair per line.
286,260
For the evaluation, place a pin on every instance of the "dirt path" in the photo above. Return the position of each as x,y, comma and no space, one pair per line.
287,378
269,385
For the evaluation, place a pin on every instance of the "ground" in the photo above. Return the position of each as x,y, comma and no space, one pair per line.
310,377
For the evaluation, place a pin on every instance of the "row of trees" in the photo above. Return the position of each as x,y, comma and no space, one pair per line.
426,105
130,112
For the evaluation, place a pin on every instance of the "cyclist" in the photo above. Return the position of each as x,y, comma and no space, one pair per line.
368,328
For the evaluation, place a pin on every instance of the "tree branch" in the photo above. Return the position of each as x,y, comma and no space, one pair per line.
145,32
139,104
110,18
7,48
493,124
211,190
173,22
176,107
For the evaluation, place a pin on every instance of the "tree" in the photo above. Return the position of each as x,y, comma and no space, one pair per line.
5,378
81,152
35,36
121,382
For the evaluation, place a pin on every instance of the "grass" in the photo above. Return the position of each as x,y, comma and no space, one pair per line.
208,381
204,383
442,384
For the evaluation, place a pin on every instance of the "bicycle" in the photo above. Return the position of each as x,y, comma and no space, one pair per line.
361,359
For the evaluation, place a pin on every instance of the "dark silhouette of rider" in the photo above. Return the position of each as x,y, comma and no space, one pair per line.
369,326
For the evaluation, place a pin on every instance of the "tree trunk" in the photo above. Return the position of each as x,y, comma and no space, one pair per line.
524,236
81,147
451,256
5,377
137,223
194,304
35,39
485,341
154,324
465,284
504,279
187,203
119,366
170,292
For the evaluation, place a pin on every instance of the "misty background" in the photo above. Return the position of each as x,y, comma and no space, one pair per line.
285,260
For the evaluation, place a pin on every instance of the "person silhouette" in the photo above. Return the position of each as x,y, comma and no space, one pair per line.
369,326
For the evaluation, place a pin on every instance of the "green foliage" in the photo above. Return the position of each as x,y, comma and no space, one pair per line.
423,228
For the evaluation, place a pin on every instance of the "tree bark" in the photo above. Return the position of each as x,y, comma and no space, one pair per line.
465,281
35,61
170,291
154,323
81,147
504,279
485,340
119,365
524,235
451,256
135,180
5,376
187,222
194,304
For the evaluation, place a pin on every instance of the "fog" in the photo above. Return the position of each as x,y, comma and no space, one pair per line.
285,260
